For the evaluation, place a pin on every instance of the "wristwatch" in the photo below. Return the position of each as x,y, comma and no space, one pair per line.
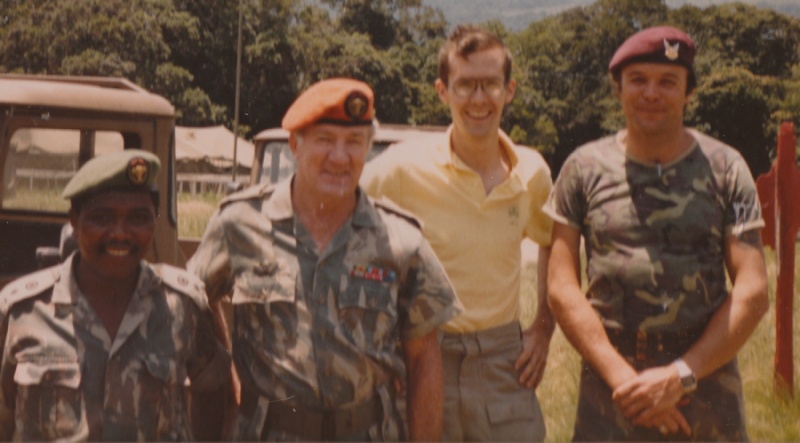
687,377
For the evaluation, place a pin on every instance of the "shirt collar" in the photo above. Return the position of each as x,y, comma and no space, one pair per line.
279,206
68,284
447,155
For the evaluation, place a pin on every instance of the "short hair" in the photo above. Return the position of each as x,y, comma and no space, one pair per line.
691,79
466,40
78,202
373,128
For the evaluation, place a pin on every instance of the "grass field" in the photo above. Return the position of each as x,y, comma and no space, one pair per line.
769,418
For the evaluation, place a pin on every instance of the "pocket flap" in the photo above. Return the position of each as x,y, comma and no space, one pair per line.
66,374
369,295
268,283
158,368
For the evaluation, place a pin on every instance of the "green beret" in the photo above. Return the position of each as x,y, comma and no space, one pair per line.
128,169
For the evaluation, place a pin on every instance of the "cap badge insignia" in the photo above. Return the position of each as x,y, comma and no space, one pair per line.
138,171
671,51
356,105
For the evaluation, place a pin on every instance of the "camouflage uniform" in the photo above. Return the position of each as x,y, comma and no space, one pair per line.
63,378
654,238
320,333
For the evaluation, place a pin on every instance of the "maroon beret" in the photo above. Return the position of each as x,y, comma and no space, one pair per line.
660,44
338,101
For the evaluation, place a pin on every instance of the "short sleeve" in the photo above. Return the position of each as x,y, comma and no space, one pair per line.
567,201
427,298
211,261
744,210
539,226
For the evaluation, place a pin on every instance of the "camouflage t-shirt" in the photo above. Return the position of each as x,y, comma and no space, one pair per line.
655,234
64,378
320,331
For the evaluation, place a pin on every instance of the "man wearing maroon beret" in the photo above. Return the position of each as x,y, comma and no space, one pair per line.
664,211
336,297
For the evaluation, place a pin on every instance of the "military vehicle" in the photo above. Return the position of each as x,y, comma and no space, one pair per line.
49,127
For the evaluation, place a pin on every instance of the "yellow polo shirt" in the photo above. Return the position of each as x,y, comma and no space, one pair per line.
476,236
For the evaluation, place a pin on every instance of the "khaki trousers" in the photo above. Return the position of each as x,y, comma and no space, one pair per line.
483,399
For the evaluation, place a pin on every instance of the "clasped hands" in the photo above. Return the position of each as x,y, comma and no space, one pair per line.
651,399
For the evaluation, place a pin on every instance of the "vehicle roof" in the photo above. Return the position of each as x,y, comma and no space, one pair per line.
82,93
386,133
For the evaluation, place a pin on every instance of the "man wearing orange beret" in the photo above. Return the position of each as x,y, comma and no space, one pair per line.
323,282
665,211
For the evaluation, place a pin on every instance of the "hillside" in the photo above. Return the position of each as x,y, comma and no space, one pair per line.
517,14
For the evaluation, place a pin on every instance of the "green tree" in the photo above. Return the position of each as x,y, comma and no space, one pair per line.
736,106
106,38
565,60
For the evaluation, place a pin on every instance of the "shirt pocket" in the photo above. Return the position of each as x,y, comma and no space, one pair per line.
49,402
160,393
267,282
368,311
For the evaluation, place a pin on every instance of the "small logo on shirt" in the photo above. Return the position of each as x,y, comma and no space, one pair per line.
513,215
373,273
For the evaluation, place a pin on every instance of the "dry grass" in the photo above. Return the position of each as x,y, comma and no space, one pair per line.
194,211
769,418
37,200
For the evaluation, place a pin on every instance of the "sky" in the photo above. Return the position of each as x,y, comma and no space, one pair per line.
517,14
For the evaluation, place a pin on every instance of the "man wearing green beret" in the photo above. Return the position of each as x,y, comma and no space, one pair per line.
104,346
336,297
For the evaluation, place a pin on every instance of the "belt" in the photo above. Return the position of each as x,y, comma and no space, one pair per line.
653,347
322,425
487,341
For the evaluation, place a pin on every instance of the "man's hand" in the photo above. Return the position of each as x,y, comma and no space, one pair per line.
670,421
650,399
533,358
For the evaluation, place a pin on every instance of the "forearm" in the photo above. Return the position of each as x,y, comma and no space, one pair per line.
544,317
585,332
736,319
574,314
727,332
425,396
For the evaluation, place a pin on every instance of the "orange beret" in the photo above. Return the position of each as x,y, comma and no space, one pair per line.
338,101
660,44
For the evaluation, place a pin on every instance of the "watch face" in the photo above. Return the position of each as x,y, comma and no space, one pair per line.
687,377
689,383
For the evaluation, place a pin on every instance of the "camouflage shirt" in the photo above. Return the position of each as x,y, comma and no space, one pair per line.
63,378
655,234
320,331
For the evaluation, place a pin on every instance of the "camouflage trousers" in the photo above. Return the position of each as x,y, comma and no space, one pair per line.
715,411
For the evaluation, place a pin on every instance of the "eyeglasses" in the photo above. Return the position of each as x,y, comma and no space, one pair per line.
491,86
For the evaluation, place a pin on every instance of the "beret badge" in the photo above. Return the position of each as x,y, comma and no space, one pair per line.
671,51
356,105
138,171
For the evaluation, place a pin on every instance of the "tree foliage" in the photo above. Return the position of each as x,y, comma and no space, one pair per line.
748,61
747,66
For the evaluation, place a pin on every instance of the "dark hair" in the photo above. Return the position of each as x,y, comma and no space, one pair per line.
691,79
77,203
469,39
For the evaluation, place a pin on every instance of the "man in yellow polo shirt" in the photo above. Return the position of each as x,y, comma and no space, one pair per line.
478,195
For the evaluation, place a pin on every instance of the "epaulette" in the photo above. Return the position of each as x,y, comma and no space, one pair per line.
182,281
392,208
28,286
253,192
